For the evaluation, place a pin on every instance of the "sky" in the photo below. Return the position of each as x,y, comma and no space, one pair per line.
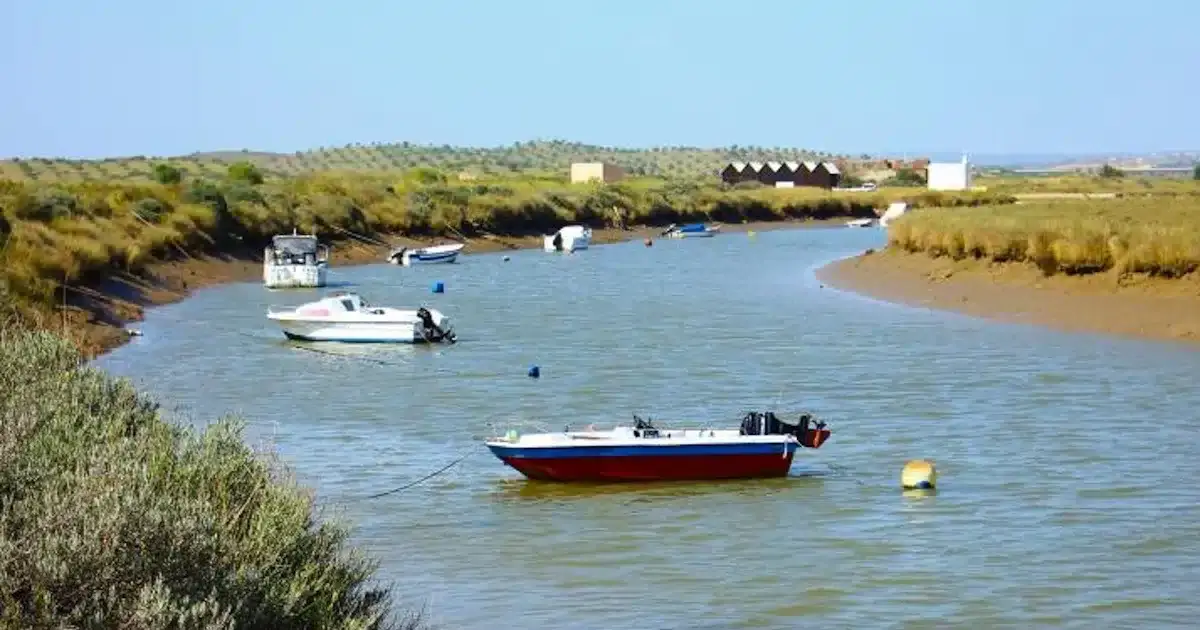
88,79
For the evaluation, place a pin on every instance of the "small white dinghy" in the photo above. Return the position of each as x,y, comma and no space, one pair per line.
894,211
346,317
568,239
860,223
447,253
691,230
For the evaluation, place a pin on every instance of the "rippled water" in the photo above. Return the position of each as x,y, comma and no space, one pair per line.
1068,463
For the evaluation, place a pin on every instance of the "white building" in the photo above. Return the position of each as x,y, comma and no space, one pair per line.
949,175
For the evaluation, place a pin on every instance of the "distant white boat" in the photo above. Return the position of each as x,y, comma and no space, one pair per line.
691,230
860,223
568,239
346,317
894,211
434,254
295,261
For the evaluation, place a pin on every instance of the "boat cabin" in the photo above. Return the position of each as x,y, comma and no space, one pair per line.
341,302
297,249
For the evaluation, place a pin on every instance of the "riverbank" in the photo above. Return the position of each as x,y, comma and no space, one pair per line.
1132,306
98,318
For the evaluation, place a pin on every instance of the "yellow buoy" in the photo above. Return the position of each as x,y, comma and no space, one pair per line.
919,474
750,233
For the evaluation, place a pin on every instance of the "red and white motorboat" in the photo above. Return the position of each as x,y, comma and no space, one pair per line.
763,446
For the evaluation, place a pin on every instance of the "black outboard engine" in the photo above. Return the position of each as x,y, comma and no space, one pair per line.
558,242
767,423
431,331
644,428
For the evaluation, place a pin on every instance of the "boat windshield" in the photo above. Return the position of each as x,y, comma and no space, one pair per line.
295,245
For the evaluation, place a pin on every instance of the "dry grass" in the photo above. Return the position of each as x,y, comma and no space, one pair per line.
1158,236
1123,186
79,232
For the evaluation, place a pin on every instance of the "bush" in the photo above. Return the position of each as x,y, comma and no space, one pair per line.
245,172
112,518
167,174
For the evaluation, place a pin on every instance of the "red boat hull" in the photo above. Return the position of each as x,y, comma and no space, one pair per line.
653,467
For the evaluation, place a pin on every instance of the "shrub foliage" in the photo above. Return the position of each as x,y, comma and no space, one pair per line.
111,517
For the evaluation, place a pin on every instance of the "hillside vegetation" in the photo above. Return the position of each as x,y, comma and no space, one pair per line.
1158,236
78,233
111,517
543,156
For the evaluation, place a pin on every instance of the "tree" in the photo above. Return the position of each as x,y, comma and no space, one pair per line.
1196,172
167,174
245,172
1109,171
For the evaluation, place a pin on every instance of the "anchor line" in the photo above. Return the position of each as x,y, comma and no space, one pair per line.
422,479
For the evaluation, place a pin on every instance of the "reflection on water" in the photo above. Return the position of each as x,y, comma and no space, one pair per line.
1049,510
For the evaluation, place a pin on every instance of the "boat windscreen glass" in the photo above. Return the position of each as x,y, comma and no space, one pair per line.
295,245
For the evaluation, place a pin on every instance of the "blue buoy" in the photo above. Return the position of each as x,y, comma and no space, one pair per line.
438,287
535,371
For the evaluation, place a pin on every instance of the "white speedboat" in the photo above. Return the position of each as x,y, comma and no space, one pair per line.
346,317
691,230
568,239
295,261
447,253
860,223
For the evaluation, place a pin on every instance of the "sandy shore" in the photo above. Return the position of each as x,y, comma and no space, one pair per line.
1132,307
98,316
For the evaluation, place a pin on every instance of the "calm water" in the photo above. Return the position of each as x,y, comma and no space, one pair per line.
1068,463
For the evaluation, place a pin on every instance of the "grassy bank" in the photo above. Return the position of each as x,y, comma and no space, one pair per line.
1127,186
79,234
112,517
1156,236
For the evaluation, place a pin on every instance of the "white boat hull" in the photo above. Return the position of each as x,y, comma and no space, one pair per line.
427,255
704,234
322,321
351,333
294,276
568,240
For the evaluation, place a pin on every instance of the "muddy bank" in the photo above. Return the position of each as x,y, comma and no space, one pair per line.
97,317
1128,306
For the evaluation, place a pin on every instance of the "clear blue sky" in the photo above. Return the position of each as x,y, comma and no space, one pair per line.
89,78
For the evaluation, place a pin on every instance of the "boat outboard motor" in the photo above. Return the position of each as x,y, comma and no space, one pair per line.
431,331
397,255
558,242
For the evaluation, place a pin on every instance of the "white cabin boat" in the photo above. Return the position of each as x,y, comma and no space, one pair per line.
295,261
346,317
568,239
895,211
447,253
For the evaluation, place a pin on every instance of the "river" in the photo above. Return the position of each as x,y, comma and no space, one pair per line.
1067,462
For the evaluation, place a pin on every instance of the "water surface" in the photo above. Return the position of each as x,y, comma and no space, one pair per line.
1067,461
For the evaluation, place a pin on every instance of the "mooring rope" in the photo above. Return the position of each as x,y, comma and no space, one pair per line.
422,479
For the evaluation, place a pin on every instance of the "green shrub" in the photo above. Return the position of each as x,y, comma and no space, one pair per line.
110,517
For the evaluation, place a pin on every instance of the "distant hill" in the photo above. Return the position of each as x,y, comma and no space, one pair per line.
546,155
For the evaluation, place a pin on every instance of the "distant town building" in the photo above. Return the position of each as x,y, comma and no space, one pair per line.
783,174
949,175
595,171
